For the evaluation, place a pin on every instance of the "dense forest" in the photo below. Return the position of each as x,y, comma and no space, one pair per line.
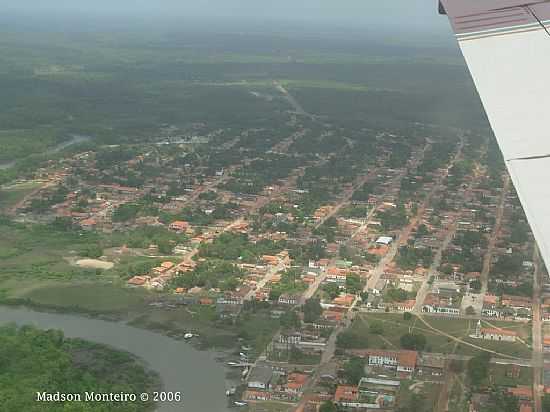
33,360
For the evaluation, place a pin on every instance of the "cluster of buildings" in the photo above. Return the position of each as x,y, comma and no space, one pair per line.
507,307
445,298
158,277
494,334
266,383
385,373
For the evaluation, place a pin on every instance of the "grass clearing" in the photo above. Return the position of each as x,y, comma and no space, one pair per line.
15,144
428,393
324,84
395,327
88,297
176,322
501,375
11,195
38,252
94,264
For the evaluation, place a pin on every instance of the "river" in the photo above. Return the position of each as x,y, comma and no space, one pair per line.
61,146
181,367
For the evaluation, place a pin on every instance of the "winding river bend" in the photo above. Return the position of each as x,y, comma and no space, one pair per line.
181,367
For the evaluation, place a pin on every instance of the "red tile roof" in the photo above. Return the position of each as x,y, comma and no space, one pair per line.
522,391
346,393
496,331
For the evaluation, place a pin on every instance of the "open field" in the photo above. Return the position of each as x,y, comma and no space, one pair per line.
498,376
94,264
324,84
289,83
81,296
19,143
11,195
395,327
39,251
428,393
93,297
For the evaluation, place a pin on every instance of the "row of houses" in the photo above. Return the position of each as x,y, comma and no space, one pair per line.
507,307
379,388
447,305
370,393
265,383
403,362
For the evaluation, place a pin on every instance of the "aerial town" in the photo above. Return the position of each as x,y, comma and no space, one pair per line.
390,263
261,215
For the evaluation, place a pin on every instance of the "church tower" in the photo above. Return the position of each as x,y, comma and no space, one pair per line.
478,329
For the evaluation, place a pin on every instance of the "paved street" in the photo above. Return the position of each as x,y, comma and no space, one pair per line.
265,280
487,261
426,285
413,223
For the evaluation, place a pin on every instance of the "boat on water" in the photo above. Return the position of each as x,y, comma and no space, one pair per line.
231,392
188,336
237,403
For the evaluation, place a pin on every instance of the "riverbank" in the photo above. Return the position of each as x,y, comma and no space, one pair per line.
143,311
69,366
180,366
159,312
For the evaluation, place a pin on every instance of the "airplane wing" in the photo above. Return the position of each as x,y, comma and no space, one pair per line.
506,44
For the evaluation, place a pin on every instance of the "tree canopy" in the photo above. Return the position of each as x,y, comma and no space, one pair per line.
413,341
36,361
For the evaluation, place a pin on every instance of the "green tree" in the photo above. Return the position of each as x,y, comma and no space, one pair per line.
312,310
126,212
353,283
354,370
500,401
413,341
332,290
350,340
62,224
546,403
92,251
327,406
35,360
478,368
165,247
475,285
274,295
290,320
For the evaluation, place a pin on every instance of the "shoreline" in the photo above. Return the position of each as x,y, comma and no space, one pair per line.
221,355
216,356
114,317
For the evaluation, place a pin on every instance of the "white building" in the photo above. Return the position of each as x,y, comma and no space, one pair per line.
501,335
384,240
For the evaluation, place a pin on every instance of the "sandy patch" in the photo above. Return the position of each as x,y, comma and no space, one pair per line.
94,264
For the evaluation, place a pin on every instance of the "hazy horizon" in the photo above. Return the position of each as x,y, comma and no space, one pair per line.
399,15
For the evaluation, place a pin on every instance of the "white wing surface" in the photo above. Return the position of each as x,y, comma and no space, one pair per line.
506,44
